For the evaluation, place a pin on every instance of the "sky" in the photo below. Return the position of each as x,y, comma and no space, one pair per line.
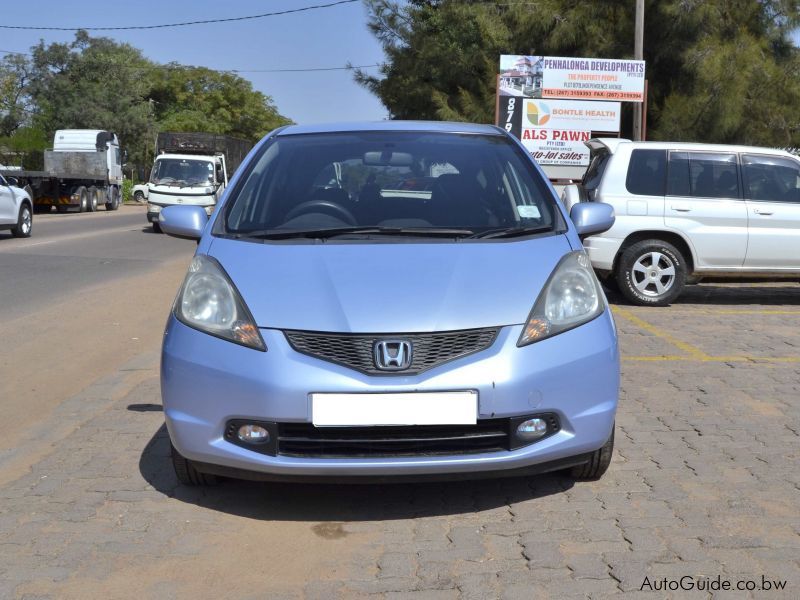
325,37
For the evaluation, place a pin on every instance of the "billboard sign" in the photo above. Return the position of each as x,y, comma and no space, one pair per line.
571,78
561,147
593,79
571,114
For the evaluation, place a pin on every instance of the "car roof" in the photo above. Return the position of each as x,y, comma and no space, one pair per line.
420,126
613,145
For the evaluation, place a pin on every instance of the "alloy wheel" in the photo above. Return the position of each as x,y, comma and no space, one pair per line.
653,274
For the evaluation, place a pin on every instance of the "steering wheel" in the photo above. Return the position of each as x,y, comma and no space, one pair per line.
326,206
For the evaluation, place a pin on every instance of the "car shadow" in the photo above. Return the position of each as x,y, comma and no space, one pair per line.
787,294
336,502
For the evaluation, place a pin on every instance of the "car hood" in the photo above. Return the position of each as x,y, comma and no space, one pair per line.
390,287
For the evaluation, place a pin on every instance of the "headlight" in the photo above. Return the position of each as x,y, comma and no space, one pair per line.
209,302
153,208
571,297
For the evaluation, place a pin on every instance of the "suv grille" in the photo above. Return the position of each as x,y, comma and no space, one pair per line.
355,351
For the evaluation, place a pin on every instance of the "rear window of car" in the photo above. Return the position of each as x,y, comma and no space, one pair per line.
390,179
594,174
647,171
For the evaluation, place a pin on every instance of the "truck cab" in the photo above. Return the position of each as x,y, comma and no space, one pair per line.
192,179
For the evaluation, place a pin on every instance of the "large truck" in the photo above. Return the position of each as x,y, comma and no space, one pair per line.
192,168
81,172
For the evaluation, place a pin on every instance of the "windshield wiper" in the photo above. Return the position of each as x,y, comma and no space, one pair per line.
283,234
508,232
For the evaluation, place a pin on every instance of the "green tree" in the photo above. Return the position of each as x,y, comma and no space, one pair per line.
15,105
92,83
199,99
718,70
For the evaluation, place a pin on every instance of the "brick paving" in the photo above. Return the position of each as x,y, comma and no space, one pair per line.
704,483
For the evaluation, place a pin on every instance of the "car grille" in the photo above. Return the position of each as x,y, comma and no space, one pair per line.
355,351
305,440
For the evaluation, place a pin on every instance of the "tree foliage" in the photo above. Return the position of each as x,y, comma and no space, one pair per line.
199,99
718,70
97,83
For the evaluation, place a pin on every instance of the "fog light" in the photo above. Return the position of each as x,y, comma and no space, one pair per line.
532,429
253,434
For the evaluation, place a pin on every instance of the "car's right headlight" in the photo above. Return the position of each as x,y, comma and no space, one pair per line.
209,302
571,297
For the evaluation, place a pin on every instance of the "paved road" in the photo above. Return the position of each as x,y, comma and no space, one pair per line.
705,484
73,251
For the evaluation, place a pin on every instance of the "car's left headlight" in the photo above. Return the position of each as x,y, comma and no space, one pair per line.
208,301
571,297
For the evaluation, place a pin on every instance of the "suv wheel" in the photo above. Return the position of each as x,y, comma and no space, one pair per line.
651,273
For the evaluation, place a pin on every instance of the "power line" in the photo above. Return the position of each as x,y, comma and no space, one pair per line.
183,24
189,67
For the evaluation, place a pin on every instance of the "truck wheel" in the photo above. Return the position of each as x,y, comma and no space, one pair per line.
113,203
598,463
138,195
24,222
94,197
651,273
83,196
187,474
156,227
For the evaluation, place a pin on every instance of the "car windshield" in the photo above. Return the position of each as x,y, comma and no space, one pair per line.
182,172
398,183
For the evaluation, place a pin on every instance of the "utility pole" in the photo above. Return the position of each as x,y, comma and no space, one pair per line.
638,54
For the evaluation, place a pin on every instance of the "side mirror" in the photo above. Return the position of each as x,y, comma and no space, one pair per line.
185,222
591,218
220,174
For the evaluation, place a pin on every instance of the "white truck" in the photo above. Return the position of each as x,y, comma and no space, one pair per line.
191,168
81,172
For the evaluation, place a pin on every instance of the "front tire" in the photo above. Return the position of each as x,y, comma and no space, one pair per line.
598,463
186,472
156,227
651,273
24,225
138,196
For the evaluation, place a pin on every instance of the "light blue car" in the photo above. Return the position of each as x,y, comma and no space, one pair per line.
395,300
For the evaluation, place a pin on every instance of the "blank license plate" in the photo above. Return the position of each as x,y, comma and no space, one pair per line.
425,408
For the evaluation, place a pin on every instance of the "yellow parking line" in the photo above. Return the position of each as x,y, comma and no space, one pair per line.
693,351
719,359
726,311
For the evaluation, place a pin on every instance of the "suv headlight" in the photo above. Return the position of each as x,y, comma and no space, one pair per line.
571,297
209,302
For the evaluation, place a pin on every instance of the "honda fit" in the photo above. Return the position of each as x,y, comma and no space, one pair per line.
392,300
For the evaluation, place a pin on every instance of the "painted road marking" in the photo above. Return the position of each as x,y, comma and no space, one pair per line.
715,359
692,351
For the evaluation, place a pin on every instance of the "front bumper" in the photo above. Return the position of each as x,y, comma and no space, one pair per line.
207,381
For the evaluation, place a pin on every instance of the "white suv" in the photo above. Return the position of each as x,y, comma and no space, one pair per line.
688,211
16,209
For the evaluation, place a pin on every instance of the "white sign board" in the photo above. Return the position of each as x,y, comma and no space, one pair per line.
572,114
592,78
563,147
